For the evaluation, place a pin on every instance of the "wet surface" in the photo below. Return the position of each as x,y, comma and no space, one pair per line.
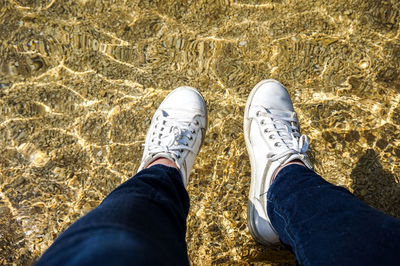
80,80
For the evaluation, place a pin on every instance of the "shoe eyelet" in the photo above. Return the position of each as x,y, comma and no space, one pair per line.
277,144
181,150
266,131
258,113
162,129
186,144
271,137
178,156
262,122
193,131
196,123
190,138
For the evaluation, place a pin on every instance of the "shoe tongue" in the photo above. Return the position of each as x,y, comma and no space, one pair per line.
300,157
280,114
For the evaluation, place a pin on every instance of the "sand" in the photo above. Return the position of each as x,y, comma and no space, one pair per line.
80,80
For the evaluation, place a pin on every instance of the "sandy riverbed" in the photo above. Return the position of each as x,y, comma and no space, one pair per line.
80,80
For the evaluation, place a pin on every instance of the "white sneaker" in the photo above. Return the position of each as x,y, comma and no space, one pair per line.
273,139
177,130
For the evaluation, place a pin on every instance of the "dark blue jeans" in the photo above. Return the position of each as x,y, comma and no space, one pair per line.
326,225
143,222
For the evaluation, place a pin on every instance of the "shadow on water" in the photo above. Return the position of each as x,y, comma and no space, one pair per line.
376,186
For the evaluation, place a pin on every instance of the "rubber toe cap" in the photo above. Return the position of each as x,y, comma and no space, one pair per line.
272,95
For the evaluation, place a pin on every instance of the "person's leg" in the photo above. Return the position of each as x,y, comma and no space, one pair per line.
322,223
273,139
143,221
326,225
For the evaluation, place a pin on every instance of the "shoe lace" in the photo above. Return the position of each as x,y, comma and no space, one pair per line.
288,131
172,136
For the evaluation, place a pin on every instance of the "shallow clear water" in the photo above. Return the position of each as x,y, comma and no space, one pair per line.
80,80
